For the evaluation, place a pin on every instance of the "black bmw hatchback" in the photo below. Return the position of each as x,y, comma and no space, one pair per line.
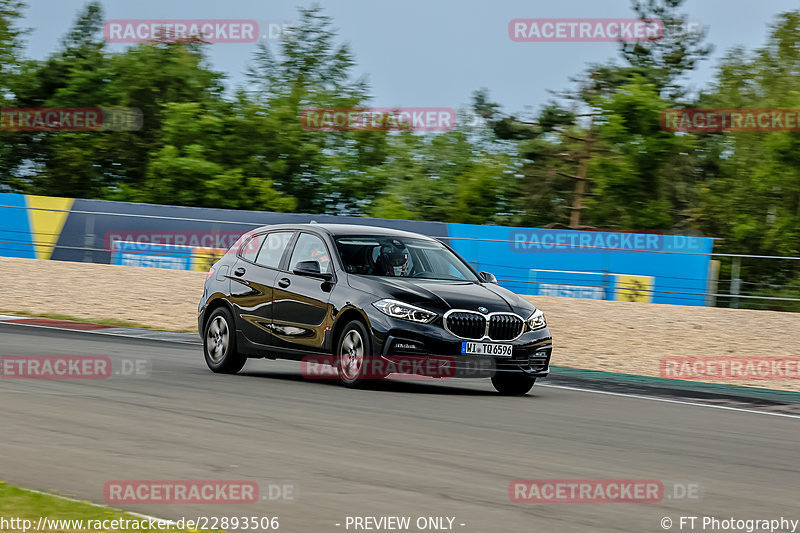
372,302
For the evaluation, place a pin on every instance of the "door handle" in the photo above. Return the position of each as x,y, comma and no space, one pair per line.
284,282
239,271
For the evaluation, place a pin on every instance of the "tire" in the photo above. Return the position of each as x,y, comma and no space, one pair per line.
352,355
219,343
512,383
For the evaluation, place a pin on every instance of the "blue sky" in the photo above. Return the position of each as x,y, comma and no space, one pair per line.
432,53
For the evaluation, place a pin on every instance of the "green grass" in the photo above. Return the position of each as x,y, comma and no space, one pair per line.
103,321
20,503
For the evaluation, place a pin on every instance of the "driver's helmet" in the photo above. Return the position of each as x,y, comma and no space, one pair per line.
393,258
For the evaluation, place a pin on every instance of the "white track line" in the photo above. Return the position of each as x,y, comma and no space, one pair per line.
74,500
666,400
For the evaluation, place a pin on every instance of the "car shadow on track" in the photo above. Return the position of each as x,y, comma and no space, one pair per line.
402,385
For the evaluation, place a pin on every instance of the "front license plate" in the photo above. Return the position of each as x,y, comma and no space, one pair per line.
486,348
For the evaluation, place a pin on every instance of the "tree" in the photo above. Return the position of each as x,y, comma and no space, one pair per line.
750,194
457,176
645,176
664,62
194,166
311,70
597,157
83,74
67,163
10,48
10,66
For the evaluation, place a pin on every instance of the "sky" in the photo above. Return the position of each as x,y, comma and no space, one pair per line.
432,53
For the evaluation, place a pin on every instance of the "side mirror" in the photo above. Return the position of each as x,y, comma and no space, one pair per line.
488,277
311,269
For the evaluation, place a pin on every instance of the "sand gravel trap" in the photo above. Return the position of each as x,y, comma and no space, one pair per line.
158,298
633,337
624,337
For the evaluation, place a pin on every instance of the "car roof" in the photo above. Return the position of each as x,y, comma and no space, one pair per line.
337,230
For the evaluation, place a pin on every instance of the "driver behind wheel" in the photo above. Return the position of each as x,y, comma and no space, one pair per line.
392,260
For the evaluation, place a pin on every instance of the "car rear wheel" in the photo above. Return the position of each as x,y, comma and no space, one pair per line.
353,354
512,383
219,344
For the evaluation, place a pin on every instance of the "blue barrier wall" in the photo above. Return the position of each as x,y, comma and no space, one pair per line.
15,227
647,267
587,264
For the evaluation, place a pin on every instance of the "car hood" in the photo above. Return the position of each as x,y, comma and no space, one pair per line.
441,296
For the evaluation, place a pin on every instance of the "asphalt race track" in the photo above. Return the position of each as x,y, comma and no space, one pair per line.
405,448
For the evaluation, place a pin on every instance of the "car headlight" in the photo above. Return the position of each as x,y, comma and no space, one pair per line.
410,312
536,320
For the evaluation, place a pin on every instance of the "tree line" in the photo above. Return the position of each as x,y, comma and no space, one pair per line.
595,156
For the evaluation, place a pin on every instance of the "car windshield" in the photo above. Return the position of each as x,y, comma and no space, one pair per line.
381,255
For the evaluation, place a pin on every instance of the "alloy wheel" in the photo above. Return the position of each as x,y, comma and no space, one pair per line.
351,354
217,339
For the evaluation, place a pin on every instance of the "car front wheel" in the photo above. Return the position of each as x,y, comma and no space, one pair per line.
219,344
352,355
512,383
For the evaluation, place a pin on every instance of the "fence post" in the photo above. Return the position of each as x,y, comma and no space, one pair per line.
608,289
736,282
88,239
713,283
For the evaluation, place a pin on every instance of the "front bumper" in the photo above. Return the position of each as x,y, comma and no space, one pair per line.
401,339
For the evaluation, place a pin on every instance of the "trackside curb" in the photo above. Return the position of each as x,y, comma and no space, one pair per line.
100,329
634,383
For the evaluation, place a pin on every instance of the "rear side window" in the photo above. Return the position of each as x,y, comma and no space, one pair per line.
273,248
249,249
